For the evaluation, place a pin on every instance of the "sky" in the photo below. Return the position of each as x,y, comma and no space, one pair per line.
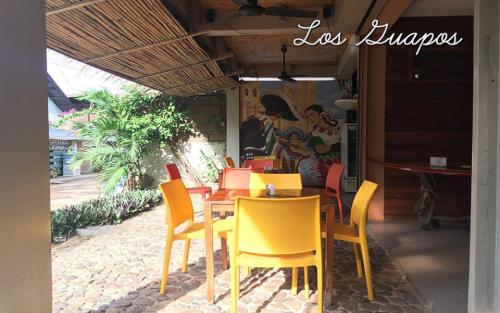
75,77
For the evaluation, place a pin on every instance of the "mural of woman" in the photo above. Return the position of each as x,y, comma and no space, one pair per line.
258,133
324,137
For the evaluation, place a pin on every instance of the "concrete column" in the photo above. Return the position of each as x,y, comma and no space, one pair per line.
484,276
25,271
233,123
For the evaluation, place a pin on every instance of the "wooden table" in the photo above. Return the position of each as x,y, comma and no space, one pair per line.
425,205
222,202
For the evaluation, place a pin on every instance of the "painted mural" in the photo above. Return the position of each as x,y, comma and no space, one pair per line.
298,123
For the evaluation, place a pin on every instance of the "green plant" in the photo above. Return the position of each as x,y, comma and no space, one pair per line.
212,172
126,128
103,211
54,172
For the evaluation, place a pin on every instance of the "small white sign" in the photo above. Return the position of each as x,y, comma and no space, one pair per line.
438,161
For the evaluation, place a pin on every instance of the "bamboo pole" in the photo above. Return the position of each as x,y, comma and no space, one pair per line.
223,57
152,45
73,6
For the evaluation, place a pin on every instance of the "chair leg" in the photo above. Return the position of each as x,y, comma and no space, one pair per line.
357,257
306,282
234,288
341,207
366,265
295,278
238,271
186,255
166,263
320,288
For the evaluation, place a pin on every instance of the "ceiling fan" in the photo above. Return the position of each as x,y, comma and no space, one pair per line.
284,76
252,8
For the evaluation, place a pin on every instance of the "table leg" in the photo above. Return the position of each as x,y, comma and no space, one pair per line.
330,221
223,246
426,202
209,251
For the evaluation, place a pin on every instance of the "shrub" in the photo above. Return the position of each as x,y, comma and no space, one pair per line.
103,211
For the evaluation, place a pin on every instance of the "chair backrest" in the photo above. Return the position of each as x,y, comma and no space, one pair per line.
361,203
229,162
258,163
280,181
238,178
277,226
172,171
334,176
177,203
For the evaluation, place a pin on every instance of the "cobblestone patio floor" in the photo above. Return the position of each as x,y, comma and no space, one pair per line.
118,271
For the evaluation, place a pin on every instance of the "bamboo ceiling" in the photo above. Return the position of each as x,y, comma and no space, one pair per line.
138,40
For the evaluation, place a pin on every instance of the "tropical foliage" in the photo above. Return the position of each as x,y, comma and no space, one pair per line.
103,211
123,129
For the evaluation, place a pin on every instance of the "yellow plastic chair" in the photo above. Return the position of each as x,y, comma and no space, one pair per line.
355,232
179,212
280,181
229,162
275,232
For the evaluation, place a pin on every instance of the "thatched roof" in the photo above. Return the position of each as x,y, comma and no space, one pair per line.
137,40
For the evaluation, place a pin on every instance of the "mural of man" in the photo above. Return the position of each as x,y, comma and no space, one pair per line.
258,133
324,137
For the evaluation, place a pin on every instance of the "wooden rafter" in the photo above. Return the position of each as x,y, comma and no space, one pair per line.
222,57
73,6
152,45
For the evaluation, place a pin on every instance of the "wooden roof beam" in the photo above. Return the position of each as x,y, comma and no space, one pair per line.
139,48
72,6
222,57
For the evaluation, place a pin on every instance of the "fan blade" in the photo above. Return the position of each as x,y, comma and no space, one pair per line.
285,77
286,12
241,2
299,75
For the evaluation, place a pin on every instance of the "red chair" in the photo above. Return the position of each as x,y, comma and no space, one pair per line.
173,173
332,186
258,163
238,178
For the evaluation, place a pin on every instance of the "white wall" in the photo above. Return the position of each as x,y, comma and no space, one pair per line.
25,272
54,111
233,123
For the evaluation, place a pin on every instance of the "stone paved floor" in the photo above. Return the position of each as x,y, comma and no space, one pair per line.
71,190
119,271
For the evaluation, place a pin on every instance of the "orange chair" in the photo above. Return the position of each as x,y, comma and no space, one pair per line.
238,178
258,164
275,232
173,174
179,210
355,232
333,188
229,162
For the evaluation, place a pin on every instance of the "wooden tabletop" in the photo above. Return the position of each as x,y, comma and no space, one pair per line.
421,168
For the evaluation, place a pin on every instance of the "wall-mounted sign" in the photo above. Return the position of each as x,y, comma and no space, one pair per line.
378,36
